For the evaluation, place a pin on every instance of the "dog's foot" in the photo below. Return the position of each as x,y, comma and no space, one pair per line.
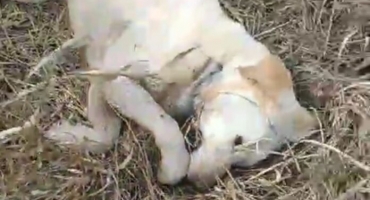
174,166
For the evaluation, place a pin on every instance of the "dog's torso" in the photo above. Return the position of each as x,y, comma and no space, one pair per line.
157,28
170,88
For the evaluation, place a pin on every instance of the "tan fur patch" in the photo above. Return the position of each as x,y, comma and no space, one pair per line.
266,81
270,75
83,60
214,91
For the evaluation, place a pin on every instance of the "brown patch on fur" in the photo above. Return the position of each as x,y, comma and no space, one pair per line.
264,101
270,76
167,97
83,60
185,68
234,87
266,81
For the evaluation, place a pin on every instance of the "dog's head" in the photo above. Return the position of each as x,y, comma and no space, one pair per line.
272,87
269,85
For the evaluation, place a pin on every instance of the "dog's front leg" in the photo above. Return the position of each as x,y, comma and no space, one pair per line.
134,102
105,126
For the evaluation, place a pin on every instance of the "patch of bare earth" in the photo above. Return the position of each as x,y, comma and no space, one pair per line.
324,42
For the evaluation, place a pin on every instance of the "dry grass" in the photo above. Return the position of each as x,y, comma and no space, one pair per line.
324,42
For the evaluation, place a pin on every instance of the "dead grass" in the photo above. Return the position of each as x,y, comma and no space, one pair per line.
324,42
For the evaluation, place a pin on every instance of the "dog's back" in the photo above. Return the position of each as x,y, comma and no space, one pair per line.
130,31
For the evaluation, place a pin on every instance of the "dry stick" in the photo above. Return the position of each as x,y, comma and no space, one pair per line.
260,35
73,43
53,57
14,130
56,55
135,70
269,169
345,41
275,166
353,189
329,28
291,160
354,161
28,124
26,92
30,1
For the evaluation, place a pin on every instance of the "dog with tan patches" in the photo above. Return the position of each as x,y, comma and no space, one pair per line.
252,87
256,104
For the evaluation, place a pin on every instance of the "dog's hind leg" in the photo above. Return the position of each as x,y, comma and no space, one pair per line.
134,102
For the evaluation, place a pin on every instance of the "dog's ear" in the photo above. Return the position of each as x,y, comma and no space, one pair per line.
270,74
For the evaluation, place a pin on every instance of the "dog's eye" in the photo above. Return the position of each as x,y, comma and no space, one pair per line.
238,140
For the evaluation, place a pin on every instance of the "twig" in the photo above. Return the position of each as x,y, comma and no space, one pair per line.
259,35
15,130
345,41
354,161
26,92
331,19
76,42
352,190
56,55
274,167
134,71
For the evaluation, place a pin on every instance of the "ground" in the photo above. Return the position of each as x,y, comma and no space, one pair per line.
324,42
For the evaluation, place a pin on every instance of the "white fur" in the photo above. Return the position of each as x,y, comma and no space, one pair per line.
105,130
161,29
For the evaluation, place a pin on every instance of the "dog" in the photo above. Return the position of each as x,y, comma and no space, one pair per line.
159,31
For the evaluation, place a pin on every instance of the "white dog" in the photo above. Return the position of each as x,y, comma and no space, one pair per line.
158,31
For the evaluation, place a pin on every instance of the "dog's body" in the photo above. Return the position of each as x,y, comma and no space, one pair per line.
158,31
150,103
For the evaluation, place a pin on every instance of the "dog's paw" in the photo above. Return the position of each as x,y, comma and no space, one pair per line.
173,167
